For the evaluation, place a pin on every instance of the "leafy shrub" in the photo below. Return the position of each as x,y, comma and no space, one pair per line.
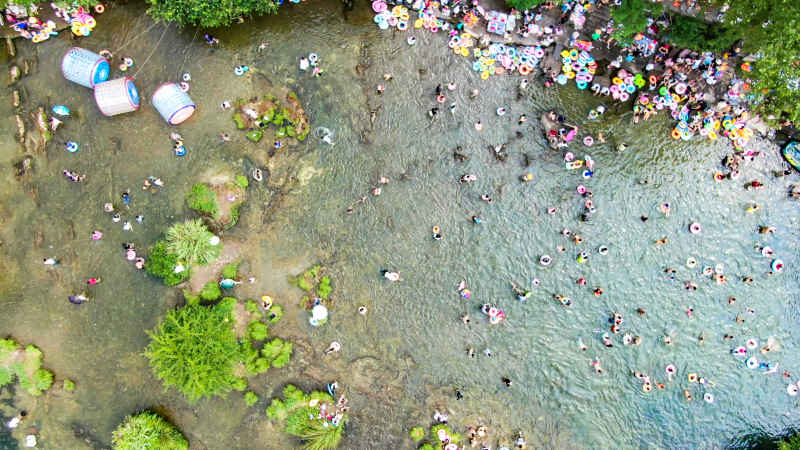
208,14
191,242
251,306
161,263
194,349
427,446
201,198
42,379
191,299
303,284
241,181
417,434
211,291
231,270
632,17
277,352
239,384
696,34
147,431
69,385
250,398
324,288
257,331
277,410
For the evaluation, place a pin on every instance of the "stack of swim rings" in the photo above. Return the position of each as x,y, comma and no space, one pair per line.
44,34
579,65
681,131
428,20
82,23
498,59
624,85
461,43
398,17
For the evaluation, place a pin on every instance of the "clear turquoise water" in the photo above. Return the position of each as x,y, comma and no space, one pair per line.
406,357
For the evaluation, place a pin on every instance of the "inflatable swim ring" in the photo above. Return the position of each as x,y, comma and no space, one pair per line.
752,362
99,8
588,141
71,146
708,397
752,344
791,389
545,260
603,250
695,228
777,266
691,262
692,377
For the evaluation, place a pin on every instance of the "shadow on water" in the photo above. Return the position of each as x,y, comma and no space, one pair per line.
407,356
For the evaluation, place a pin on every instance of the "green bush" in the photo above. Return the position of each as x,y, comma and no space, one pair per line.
427,446
301,420
69,385
241,181
277,352
632,18
417,434
194,349
324,288
191,299
257,331
208,14
275,313
789,443
303,284
250,398
211,291
147,431
161,263
42,379
191,242
25,366
201,198
231,270
239,384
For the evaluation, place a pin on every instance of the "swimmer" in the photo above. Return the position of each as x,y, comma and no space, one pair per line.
225,137
637,341
453,108
727,337
451,86
561,249
391,276
596,365
552,211
601,137
665,208
488,352
667,339
753,208
362,310
471,352
581,345
486,198
474,94
507,381
565,301
687,395
116,217
641,311
690,312
607,340
411,40
597,291
581,281
731,300
622,147
478,125
333,347
465,319
477,220
766,230
522,119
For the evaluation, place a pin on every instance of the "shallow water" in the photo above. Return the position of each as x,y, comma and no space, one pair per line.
406,357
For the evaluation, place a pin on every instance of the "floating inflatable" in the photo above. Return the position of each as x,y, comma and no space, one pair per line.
791,153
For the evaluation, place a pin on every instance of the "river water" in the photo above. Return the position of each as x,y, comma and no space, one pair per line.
405,358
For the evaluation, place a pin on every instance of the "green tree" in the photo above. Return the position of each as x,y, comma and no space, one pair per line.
194,349
771,30
192,242
147,431
522,5
208,13
631,18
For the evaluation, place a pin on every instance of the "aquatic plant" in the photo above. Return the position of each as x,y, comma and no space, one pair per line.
241,181
314,281
251,306
192,242
69,385
161,263
257,331
301,418
238,120
208,14
254,135
201,198
250,398
275,313
277,352
427,446
324,288
25,366
147,431
194,349
417,434
210,291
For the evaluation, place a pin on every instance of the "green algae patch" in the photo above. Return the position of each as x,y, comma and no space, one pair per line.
284,112
24,365
219,201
